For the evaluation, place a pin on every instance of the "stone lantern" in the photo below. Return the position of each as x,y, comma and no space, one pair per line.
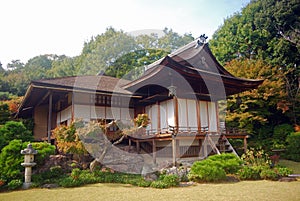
28,153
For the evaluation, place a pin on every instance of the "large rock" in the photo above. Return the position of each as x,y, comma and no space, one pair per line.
118,158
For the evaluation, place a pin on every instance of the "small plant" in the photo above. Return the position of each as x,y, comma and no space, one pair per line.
14,184
170,180
68,140
159,184
256,157
250,173
141,120
269,174
283,171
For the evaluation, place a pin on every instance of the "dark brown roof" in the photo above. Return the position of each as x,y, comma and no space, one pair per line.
195,65
38,90
89,83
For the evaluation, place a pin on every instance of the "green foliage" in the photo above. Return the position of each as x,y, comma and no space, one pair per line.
81,177
258,107
269,174
11,158
293,147
15,184
266,30
44,149
166,181
283,171
207,171
159,184
114,52
51,176
227,161
250,172
282,131
14,130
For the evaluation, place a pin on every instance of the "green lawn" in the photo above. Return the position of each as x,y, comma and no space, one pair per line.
245,190
295,166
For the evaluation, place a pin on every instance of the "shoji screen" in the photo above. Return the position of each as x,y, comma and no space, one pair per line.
212,114
192,115
182,114
203,114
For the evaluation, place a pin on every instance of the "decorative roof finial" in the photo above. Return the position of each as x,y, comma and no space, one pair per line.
201,41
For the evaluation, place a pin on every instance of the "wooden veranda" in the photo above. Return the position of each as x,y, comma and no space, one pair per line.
208,142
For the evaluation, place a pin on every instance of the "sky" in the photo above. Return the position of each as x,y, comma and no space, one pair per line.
30,28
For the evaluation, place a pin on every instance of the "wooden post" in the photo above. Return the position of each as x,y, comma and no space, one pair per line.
200,146
198,115
49,118
177,149
154,151
176,114
158,117
174,150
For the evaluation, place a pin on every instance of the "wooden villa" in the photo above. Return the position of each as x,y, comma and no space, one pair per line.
179,92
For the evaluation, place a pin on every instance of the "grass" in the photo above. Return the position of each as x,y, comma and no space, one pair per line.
245,190
295,166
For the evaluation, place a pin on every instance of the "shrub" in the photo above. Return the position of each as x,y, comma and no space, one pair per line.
283,171
293,147
228,161
44,149
269,174
14,130
68,140
207,171
11,158
250,173
170,180
256,157
14,184
282,131
159,184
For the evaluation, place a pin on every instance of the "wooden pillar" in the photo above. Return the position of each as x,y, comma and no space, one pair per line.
177,148
176,114
49,118
154,151
158,117
200,147
174,150
73,108
245,144
198,115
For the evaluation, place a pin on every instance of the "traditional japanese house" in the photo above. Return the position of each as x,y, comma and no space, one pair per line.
179,92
